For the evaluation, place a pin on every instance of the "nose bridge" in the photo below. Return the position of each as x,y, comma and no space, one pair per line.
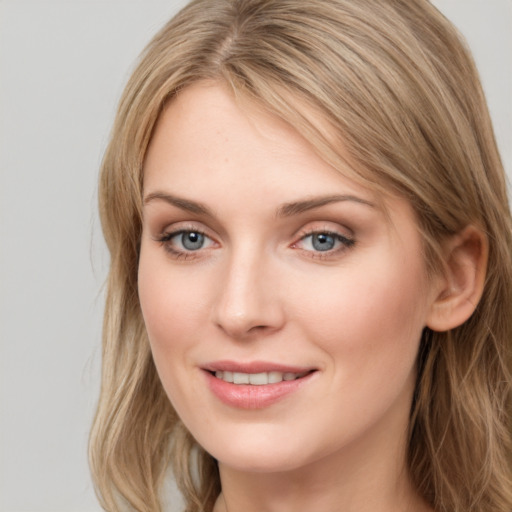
247,299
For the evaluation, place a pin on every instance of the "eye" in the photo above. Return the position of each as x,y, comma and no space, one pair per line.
190,240
185,241
324,241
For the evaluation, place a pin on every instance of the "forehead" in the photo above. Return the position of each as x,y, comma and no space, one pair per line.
205,130
207,117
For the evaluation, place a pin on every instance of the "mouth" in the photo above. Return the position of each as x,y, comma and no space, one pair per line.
255,385
258,379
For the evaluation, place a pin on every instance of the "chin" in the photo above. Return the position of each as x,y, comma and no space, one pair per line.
257,453
260,462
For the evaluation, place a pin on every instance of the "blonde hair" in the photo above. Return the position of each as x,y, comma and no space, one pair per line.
393,81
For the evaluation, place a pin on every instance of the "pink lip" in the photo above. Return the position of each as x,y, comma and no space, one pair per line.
253,367
246,396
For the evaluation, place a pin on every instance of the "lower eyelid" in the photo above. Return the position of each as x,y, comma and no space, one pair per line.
330,254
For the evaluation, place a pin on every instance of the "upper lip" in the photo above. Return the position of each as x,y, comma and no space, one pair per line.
254,367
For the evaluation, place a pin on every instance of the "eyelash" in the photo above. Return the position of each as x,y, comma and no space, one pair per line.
345,243
165,239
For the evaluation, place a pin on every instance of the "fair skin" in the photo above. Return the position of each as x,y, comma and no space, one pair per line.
256,254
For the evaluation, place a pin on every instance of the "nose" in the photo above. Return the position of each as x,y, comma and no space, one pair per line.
248,301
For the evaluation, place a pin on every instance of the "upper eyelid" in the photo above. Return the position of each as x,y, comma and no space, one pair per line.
159,228
184,226
178,231
331,231
334,234
326,226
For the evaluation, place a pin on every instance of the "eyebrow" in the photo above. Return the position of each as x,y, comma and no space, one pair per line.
179,202
286,210
298,207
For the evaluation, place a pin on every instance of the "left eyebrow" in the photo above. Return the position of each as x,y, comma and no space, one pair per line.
297,207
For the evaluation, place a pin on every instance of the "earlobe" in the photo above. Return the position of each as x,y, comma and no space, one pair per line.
462,282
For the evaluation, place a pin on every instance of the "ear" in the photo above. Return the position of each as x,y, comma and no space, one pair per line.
461,284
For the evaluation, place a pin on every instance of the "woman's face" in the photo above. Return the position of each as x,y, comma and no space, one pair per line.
284,308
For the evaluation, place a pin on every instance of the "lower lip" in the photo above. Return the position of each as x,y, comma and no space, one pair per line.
247,396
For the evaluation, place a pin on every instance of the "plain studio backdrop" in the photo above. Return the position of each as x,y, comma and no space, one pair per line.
63,65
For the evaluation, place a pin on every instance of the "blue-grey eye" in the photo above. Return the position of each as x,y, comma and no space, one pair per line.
184,242
192,240
322,241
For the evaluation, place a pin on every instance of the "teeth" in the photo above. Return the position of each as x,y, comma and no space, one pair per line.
240,378
257,379
274,377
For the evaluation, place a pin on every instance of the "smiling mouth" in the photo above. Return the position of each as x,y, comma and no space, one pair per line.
258,379
255,388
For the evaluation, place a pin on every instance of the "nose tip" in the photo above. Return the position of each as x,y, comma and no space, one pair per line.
244,313
248,302
241,325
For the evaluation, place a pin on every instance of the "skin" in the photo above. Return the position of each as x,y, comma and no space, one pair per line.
259,290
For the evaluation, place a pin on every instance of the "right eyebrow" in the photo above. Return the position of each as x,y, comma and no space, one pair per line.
179,202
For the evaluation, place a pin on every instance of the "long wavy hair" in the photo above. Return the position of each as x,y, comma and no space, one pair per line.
394,82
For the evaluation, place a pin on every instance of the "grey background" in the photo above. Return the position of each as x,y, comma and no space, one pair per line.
62,68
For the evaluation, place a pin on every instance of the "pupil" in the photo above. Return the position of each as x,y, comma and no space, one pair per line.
323,242
193,241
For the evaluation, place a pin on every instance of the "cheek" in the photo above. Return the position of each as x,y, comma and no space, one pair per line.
369,326
173,309
171,302
374,314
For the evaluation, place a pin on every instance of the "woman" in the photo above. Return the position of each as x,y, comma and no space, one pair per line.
309,298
